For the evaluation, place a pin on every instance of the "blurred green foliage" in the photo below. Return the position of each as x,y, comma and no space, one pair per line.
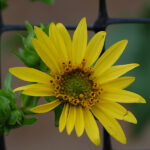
28,54
50,2
11,115
138,51
4,3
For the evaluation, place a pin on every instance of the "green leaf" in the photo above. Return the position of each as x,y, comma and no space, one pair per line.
28,101
58,111
27,40
50,98
50,2
5,109
28,55
16,118
8,82
29,121
13,118
45,28
10,96
29,27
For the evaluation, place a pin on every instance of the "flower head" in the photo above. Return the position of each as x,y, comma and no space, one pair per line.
85,91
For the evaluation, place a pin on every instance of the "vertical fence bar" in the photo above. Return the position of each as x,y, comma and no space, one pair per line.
107,141
102,9
2,142
100,25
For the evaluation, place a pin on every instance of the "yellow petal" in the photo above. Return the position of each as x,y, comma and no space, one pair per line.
41,35
94,48
38,92
49,46
46,54
63,117
119,83
115,72
123,96
66,37
79,123
46,107
79,42
58,42
91,127
24,87
110,57
110,124
130,118
116,111
30,74
32,86
71,119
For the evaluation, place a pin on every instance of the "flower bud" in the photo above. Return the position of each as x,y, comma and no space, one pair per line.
4,110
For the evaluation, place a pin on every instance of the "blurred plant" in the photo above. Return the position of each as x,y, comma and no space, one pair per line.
4,4
11,115
28,54
50,2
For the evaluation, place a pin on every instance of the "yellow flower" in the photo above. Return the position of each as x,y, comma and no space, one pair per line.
85,91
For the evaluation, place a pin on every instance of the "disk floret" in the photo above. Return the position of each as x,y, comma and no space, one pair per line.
76,85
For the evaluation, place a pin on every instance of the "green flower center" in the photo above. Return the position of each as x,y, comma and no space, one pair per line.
75,83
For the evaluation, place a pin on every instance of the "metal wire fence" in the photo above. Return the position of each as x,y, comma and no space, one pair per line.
102,22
